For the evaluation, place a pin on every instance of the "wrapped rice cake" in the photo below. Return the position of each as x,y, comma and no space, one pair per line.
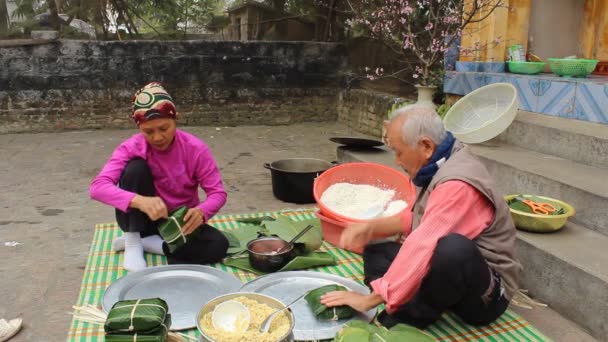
171,229
142,316
323,312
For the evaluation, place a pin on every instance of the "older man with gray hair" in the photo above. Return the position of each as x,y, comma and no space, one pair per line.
457,248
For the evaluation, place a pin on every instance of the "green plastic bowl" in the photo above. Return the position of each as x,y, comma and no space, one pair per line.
539,223
529,68
571,67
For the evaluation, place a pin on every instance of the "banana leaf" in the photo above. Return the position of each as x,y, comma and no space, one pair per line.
144,316
255,220
239,237
371,328
323,312
162,335
171,229
521,206
308,260
359,331
352,334
287,229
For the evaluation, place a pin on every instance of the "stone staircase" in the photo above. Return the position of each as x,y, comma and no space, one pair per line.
568,160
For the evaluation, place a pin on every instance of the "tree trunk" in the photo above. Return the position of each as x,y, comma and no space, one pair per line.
279,4
327,36
54,16
4,23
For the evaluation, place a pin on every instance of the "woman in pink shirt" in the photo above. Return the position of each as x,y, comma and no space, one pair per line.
154,172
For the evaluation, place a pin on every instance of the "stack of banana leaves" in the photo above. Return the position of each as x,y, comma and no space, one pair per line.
142,320
359,331
306,248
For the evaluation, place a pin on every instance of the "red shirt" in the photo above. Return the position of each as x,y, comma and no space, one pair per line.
452,207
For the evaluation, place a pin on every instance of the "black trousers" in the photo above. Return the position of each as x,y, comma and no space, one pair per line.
457,280
205,245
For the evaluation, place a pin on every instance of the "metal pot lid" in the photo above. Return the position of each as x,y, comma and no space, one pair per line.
301,165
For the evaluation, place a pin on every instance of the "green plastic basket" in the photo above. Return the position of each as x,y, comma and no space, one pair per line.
571,67
529,68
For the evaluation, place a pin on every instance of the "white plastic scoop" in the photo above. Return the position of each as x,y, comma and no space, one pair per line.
231,316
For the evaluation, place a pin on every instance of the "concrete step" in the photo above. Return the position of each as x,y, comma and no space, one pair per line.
580,141
517,170
568,270
554,326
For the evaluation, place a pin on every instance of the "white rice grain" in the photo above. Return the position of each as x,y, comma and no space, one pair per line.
352,200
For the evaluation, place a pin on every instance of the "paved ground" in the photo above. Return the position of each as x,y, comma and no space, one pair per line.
44,205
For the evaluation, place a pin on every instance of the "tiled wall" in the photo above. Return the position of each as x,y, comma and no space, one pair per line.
574,98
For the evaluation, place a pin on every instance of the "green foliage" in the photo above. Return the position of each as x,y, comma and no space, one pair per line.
217,23
443,110
396,106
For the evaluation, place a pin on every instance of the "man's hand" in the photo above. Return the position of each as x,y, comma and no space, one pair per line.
356,235
154,207
357,301
193,219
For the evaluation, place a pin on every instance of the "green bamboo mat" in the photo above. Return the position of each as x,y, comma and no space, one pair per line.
104,267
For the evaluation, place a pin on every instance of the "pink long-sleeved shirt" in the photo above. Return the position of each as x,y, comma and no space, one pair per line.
452,207
177,172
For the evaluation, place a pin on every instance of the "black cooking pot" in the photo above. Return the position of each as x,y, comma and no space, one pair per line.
292,179
263,255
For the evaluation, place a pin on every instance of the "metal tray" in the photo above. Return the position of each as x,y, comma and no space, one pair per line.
287,286
185,288
356,142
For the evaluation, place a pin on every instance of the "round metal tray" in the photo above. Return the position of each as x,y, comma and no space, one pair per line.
287,286
185,288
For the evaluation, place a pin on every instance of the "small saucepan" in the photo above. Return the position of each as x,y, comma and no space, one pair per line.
263,253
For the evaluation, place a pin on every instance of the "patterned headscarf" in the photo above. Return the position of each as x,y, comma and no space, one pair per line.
152,102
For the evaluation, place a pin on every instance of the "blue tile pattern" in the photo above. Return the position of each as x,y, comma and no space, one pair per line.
592,102
526,91
557,98
480,66
580,98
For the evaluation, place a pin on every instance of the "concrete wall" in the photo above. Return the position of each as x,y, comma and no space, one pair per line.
364,110
555,26
594,31
84,85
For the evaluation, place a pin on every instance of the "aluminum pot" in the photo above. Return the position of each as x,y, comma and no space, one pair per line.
292,179
260,298
262,255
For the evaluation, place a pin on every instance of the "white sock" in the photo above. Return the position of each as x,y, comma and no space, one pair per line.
152,244
134,252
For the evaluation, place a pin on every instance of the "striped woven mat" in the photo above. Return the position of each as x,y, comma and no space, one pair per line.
104,267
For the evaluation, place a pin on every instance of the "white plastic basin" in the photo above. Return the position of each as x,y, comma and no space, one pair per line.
483,114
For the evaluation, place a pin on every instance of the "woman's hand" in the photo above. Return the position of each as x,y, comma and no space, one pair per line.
154,207
357,301
356,235
193,219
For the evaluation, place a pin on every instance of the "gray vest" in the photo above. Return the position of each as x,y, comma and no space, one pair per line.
497,241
